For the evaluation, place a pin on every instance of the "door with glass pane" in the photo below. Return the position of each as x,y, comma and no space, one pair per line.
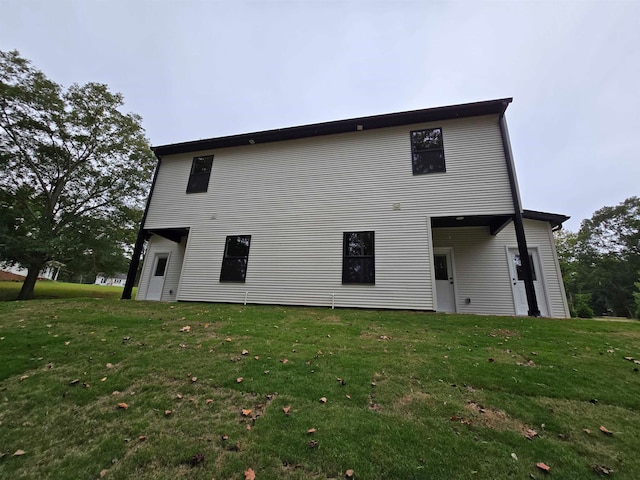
156,282
445,291
517,282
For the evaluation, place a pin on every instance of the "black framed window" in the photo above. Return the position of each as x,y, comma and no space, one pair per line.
358,258
236,257
200,173
427,151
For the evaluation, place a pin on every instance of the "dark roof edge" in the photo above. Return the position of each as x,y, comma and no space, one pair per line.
475,109
555,219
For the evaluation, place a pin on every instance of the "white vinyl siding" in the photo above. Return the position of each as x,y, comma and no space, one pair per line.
172,276
482,267
342,177
303,265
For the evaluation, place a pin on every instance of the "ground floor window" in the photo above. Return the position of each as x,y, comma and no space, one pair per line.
236,257
358,258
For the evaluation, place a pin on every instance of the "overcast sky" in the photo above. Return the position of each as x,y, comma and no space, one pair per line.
200,69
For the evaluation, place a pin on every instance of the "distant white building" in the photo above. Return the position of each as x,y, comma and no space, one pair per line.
117,280
50,272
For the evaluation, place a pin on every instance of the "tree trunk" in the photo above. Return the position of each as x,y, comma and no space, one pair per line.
26,293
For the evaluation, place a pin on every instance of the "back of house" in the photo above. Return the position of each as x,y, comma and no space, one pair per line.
413,210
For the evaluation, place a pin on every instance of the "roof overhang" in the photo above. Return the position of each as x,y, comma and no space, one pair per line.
555,219
173,234
450,112
496,223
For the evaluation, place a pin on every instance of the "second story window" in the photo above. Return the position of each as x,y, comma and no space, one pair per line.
200,173
427,151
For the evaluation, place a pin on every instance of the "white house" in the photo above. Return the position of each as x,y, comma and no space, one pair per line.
412,210
117,280
49,272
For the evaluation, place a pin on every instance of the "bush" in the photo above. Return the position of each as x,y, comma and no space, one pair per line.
582,306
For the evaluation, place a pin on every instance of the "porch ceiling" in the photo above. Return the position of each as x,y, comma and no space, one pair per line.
173,234
494,222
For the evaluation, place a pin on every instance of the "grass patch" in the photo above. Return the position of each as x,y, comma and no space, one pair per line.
408,395
48,290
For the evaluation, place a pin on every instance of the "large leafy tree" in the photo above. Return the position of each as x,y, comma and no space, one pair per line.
602,260
73,168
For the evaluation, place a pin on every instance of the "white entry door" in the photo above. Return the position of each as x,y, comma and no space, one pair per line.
517,282
443,268
156,282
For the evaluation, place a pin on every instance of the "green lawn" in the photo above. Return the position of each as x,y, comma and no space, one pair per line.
408,395
47,290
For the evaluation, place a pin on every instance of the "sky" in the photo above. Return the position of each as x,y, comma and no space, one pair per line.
200,69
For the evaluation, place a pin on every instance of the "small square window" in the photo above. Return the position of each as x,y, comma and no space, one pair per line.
200,173
427,151
358,258
236,257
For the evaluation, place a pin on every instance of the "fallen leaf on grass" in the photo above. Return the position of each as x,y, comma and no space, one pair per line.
323,400
186,329
246,412
228,339
348,473
601,469
109,365
19,453
225,438
197,459
74,381
249,426
239,380
454,418
257,357
194,379
103,379
514,456
606,431
142,438
543,466
103,472
311,431
245,352
249,474
629,359
312,444
123,406
530,434
587,431
286,409
167,413
284,360
208,401
24,377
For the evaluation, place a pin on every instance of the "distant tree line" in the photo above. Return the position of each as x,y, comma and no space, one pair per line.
601,262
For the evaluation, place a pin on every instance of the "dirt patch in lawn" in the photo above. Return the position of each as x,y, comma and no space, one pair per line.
502,332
